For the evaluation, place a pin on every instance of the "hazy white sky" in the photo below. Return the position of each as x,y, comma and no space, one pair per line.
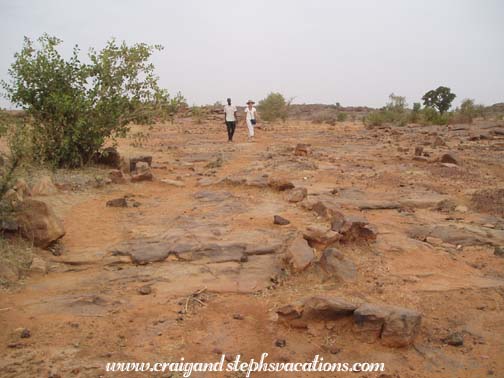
352,52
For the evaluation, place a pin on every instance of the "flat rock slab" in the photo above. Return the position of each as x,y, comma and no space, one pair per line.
209,196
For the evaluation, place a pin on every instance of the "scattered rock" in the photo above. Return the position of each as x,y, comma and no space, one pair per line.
461,209
354,229
297,194
280,343
37,222
135,160
144,290
335,264
117,202
238,316
320,236
395,326
450,158
454,339
280,184
25,333
438,142
299,254
178,184
117,177
446,205
302,149
44,187
142,166
290,311
499,251
145,175
327,210
277,219
327,308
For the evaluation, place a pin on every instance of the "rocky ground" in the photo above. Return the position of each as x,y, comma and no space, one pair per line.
380,245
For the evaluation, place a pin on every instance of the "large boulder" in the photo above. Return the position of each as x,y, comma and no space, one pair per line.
327,307
336,265
37,222
395,326
299,254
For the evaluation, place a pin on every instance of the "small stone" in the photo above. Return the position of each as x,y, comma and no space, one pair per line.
461,209
418,151
454,339
280,343
238,316
297,195
302,149
280,184
117,202
450,158
176,183
25,333
277,219
145,175
144,290
499,251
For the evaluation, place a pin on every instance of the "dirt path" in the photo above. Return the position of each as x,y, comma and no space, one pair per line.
87,310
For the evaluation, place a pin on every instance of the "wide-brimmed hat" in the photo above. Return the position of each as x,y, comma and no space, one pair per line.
250,102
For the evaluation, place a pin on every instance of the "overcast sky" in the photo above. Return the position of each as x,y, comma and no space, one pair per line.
352,52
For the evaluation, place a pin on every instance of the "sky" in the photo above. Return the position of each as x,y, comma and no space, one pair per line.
316,51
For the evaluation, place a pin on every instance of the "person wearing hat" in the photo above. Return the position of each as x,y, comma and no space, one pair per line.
230,117
250,117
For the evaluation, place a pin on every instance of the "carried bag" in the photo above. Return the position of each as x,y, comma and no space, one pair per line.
252,120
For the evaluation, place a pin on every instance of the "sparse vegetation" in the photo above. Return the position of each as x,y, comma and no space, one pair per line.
341,117
15,260
198,114
76,106
273,107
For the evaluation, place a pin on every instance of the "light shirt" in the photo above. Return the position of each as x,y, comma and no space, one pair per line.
230,113
250,113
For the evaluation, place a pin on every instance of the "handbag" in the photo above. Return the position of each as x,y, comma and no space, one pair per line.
252,120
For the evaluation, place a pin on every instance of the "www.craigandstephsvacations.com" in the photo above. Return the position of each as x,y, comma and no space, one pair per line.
247,367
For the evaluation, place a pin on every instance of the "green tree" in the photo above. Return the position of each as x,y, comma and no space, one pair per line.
273,107
76,106
440,98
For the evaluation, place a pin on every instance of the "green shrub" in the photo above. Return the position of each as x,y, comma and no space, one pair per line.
76,106
198,114
431,116
341,117
273,107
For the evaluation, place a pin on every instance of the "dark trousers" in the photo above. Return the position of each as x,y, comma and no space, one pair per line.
231,126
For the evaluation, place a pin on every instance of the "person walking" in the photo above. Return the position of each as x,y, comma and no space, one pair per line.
230,117
250,118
